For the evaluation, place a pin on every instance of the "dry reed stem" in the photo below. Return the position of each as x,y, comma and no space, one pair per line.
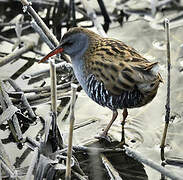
39,21
71,127
17,53
53,97
53,87
167,106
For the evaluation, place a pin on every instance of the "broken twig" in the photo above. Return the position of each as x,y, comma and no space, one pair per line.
13,123
39,21
91,13
47,88
23,98
47,70
41,34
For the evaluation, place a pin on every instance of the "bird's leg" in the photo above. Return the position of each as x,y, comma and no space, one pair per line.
104,134
125,114
114,116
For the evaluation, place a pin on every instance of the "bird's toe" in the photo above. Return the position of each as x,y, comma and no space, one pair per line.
103,137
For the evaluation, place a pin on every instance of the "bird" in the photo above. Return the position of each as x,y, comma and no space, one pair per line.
112,74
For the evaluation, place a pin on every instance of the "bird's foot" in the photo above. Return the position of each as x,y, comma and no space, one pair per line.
103,137
121,144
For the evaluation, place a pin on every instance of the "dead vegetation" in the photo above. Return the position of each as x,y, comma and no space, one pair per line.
51,157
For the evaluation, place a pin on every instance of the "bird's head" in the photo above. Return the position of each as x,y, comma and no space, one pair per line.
74,43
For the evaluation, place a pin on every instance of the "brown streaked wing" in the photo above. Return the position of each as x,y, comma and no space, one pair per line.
108,71
118,66
122,51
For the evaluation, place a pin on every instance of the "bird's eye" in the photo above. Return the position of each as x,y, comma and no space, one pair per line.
67,43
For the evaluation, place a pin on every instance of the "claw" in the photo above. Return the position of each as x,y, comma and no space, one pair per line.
121,145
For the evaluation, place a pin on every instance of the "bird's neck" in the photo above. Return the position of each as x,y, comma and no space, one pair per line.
80,72
80,62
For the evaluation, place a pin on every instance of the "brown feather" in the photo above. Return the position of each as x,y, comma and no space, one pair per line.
118,65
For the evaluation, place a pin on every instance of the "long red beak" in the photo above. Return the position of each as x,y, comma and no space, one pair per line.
53,52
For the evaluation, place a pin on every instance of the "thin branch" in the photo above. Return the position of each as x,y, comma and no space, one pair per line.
14,124
42,34
32,143
46,97
47,88
21,159
105,14
8,113
33,59
47,70
73,12
9,170
17,53
23,98
88,150
141,158
85,123
6,39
